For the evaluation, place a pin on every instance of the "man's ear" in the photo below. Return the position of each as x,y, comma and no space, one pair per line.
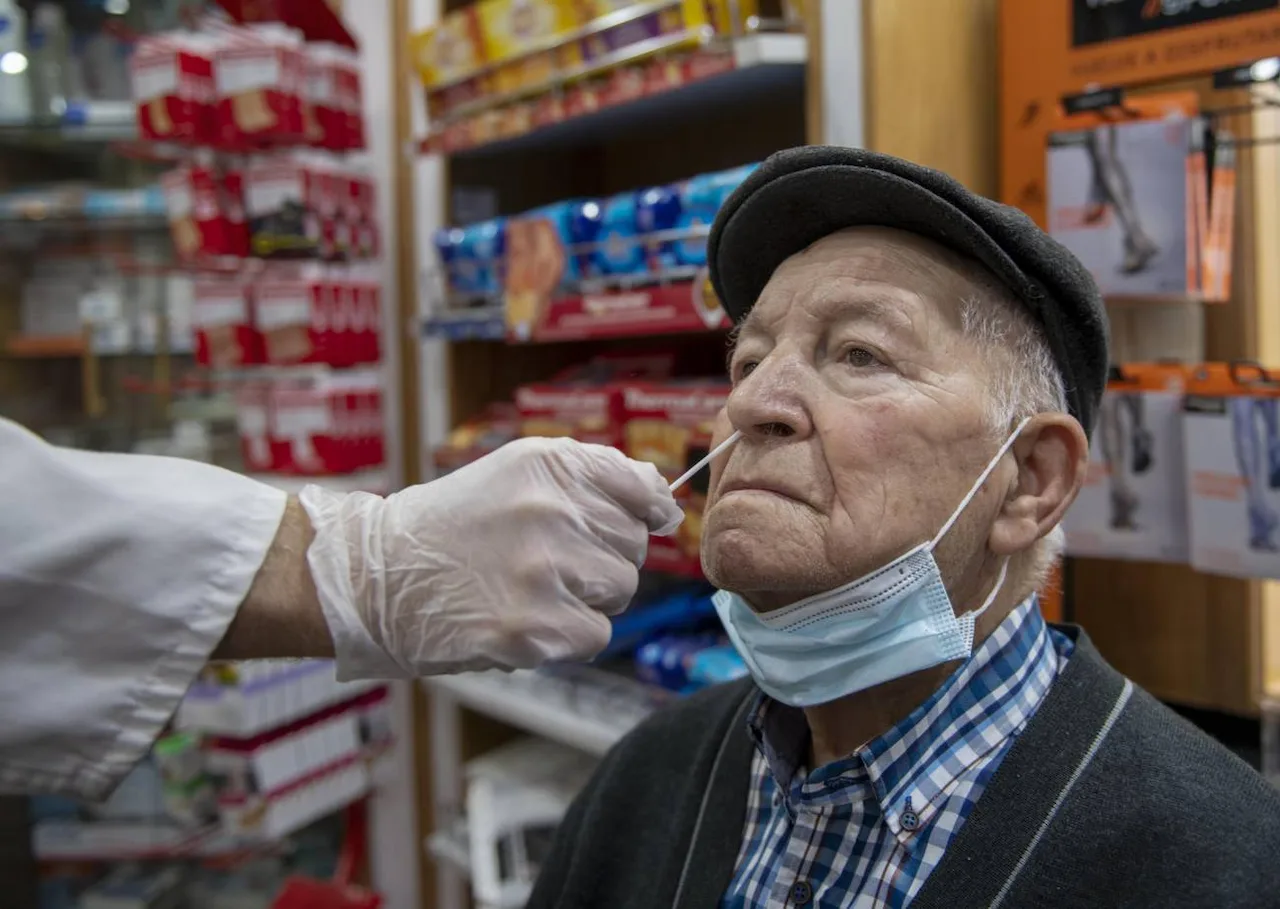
1053,455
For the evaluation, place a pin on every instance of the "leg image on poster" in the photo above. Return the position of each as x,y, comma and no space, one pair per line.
1112,189
1257,450
1118,200
1133,501
1127,450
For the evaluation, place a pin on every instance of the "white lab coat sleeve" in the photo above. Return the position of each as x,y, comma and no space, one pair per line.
119,574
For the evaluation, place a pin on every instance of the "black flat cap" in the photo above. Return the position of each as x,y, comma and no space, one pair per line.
799,196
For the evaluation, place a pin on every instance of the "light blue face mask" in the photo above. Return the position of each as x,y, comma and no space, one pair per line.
885,625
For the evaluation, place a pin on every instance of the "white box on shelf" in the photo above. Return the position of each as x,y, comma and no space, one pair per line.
262,696
516,797
289,810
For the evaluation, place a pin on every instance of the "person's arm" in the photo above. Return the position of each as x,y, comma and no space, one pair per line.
122,575
281,616
119,574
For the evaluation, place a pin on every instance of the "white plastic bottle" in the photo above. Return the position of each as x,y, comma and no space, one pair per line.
15,89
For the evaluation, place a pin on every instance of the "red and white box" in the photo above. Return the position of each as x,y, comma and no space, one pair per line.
173,87
335,99
283,198
328,423
224,322
588,413
312,313
253,422
273,783
259,75
198,220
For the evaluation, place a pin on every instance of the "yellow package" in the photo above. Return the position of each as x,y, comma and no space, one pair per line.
721,15
450,50
513,27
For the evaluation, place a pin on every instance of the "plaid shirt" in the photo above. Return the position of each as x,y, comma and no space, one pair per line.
867,830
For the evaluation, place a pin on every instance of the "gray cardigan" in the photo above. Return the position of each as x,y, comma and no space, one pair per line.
1107,799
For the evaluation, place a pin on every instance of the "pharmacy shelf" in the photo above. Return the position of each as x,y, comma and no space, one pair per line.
44,347
586,709
113,841
83,124
482,324
709,78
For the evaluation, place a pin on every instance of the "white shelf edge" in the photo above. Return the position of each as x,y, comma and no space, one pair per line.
770,49
534,712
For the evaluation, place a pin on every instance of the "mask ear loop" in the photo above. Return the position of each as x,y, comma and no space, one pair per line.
973,491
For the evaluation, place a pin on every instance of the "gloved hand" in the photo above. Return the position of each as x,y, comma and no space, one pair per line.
512,561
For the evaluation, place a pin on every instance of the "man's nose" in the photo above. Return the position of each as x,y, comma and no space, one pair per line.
770,400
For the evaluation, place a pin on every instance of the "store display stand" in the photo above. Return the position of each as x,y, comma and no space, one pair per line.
1188,637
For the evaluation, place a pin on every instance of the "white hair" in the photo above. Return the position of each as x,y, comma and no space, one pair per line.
1024,380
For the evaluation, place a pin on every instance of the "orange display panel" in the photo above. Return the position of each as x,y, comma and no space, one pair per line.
1051,50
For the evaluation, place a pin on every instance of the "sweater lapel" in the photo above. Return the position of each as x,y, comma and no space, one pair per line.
1024,789
717,832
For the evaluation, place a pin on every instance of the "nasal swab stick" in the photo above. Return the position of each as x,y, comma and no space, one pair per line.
692,471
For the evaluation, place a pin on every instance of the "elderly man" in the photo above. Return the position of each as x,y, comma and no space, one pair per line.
916,371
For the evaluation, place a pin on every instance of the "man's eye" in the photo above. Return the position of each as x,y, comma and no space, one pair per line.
860,356
746,368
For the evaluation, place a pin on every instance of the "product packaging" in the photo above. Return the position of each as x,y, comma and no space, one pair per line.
285,203
451,50
1231,435
260,74
200,210
257,778
173,87
327,423
313,313
513,28
700,200
224,323
1133,501
472,259
668,660
1123,186
517,795
670,424
657,217
619,252
496,425
253,424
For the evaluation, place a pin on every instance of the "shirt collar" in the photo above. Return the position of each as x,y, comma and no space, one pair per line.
909,769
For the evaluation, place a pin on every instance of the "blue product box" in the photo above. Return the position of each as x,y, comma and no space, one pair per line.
658,210
585,224
666,661
701,198
620,253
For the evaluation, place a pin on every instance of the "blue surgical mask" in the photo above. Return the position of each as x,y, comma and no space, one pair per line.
890,623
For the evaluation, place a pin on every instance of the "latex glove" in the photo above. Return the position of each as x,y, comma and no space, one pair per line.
513,561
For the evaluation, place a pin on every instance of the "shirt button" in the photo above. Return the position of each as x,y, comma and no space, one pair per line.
910,820
801,893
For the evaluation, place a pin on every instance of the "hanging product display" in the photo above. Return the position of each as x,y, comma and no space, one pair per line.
1133,501
1231,432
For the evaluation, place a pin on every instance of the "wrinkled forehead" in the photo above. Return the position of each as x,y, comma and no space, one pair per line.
876,273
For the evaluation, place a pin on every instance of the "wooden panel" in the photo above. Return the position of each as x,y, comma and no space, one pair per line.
1182,635
931,85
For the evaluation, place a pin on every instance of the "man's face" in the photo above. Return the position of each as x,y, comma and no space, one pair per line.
861,404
